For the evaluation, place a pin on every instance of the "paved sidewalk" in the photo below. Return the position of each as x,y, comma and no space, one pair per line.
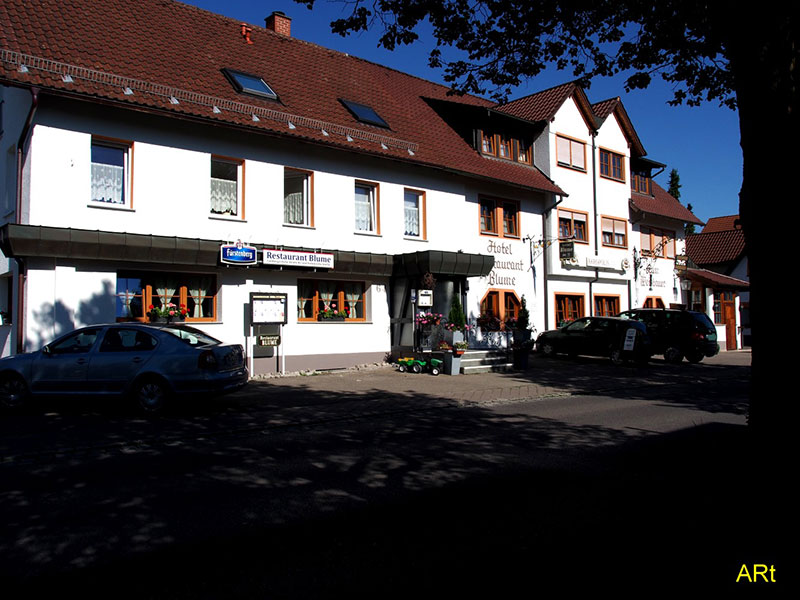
544,378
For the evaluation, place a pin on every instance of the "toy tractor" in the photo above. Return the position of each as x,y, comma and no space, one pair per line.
416,365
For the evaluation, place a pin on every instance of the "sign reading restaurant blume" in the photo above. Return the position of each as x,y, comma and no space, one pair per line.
297,258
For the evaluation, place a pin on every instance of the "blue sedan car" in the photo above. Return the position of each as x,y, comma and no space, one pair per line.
148,363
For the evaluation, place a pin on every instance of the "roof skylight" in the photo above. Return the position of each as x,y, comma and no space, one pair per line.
364,113
245,83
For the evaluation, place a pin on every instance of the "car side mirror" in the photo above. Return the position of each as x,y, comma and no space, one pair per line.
46,350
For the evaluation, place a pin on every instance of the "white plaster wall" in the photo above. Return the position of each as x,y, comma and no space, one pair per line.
665,283
171,190
62,298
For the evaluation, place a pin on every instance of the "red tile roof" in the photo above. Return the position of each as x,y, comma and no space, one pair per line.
715,247
727,223
661,203
161,49
540,106
717,279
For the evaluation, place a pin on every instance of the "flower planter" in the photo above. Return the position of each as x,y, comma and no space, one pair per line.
334,318
520,358
167,319
451,337
452,364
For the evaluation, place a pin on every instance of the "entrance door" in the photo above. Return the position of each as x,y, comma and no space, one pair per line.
725,314
729,316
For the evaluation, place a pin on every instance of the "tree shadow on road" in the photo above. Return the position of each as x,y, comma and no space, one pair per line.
368,495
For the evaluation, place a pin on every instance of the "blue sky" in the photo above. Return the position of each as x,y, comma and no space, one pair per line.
702,143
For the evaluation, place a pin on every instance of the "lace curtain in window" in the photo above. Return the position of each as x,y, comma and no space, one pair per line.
224,196
108,183
365,209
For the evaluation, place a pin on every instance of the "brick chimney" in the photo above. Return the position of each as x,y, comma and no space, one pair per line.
279,23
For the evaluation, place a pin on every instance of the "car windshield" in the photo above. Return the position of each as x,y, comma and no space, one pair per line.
191,336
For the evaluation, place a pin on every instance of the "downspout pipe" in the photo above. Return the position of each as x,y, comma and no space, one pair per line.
596,228
22,277
546,255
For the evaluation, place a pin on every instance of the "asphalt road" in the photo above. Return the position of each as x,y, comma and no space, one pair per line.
355,488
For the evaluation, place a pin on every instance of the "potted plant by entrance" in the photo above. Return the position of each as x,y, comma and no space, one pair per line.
456,326
452,357
167,313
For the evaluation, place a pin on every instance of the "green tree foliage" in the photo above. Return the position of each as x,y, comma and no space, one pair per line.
674,184
705,50
675,191
456,315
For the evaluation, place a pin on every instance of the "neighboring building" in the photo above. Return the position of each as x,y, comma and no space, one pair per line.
611,244
135,160
720,280
657,220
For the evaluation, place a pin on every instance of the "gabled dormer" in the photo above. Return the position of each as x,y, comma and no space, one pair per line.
642,170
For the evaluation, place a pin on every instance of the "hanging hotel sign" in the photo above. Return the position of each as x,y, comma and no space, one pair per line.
238,254
681,263
297,258
566,250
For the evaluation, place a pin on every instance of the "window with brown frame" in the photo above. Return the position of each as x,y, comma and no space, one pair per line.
568,308
414,214
488,208
606,306
615,232
570,153
226,187
506,147
138,291
573,223
488,143
658,242
524,153
318,297
493,212
498,307
298,204
653,302
111,172
640,183
367,208
612,165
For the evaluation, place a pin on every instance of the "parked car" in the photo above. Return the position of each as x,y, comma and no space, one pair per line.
148,363
677,333
618,339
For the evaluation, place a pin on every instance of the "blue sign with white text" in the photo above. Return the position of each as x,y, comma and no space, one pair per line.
238,254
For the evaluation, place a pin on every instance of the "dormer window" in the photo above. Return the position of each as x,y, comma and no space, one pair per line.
487,143
365,114
245,83
640,182
505,146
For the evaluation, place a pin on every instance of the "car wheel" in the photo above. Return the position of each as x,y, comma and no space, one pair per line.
151,395
673,355
617,357
694,357
416,368
434,370
547,349
13,391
